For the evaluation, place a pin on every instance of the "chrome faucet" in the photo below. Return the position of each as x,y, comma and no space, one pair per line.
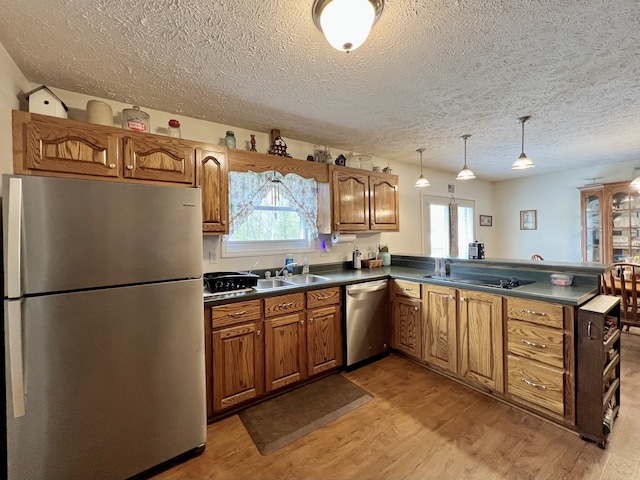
282,270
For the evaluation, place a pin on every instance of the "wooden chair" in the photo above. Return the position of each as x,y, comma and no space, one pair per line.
626,287
535,256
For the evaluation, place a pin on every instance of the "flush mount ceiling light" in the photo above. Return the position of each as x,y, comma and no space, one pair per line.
523,162
465,173
346,23
421,182
635,183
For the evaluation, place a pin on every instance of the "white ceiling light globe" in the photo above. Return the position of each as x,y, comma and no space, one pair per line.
346,23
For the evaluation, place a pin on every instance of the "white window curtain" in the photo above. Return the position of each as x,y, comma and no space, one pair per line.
248,189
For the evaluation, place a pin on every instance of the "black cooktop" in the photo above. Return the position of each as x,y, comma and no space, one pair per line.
216,282
485,281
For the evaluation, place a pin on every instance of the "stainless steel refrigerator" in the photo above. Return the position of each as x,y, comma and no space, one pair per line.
103,327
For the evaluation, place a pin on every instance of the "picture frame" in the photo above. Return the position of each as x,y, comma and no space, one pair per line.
528,219
486,221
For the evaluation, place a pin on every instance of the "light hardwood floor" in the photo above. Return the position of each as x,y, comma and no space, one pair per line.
421,425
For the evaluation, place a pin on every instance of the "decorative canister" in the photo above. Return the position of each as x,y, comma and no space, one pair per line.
99,112
385,257
135,119
230,140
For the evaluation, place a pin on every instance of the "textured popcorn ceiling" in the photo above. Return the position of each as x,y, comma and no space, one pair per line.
430,71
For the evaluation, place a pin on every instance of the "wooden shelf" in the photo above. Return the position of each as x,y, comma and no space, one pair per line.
612,389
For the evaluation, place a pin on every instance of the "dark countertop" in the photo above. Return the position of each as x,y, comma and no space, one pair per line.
542,289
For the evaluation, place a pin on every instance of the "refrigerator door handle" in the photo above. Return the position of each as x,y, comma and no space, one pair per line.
14,239
16,359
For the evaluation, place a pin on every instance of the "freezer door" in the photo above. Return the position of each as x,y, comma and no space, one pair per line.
79,234
113,380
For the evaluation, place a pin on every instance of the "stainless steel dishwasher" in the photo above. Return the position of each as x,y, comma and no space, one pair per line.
366,320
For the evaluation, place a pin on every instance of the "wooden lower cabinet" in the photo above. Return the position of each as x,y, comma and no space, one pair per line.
285,348
541,357
234,353
480,339
324,342
406,330
238,364
440,330
256,347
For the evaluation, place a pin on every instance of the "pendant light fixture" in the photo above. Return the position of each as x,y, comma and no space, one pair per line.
422,181
346,23
465,173
523,162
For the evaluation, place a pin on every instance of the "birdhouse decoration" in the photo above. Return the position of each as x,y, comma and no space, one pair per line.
44,101
278,145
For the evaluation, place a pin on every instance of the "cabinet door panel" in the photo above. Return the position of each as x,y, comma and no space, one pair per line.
213,180
350,201
159,159
481,339
237,365
51,146
407,326
440,327
323,344
384,202
284,350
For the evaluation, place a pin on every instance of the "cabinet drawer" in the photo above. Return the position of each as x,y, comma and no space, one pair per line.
536,383
404,288
234,313
283,304
323,297
542,313
539,343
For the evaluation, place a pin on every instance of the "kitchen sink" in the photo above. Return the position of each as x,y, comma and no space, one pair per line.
305,279
271,283
292,281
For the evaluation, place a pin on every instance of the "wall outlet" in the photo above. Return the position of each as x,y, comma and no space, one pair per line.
213,257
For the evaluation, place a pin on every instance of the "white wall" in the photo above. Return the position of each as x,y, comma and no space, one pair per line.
12,82
557,200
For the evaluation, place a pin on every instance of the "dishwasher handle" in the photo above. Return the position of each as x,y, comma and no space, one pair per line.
354,290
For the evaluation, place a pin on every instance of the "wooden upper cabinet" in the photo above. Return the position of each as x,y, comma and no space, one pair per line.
212,176
48,145
162,159
384,203
350,200
58,147
364,201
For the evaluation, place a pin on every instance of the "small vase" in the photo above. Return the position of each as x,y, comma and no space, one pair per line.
385,257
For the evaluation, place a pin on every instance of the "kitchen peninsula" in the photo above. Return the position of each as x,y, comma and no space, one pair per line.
517,345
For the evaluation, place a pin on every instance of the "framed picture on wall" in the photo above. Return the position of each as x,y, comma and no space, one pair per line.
486,221
528,219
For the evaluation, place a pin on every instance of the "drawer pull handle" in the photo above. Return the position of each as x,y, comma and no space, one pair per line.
112,165
327,297
285,305
129,167
589,330
542,314
236,314
415,308
536,385
407,289
534,344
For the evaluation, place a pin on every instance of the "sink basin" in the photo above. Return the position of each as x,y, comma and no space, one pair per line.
306,279
271,283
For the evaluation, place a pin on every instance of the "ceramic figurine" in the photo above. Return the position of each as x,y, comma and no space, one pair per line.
253,144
